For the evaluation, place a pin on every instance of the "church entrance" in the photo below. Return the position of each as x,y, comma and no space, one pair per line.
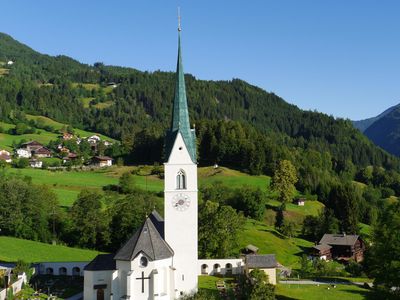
100,294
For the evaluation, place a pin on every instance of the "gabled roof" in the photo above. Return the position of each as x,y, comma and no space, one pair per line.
146,240
261,261
180,114
322,247
339,239
102,262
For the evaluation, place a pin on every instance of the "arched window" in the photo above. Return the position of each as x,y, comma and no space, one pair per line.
181,180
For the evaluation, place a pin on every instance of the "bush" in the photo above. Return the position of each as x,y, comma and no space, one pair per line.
387,192
22,163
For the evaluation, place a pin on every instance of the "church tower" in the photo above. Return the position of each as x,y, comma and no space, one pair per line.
180,189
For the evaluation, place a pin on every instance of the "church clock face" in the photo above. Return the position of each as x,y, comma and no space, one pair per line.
181,202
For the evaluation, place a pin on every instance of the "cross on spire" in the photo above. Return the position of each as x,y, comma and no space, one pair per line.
142,279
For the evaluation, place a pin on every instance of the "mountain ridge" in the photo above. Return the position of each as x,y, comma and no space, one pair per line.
65,90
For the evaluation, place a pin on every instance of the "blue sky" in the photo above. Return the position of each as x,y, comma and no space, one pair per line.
338,57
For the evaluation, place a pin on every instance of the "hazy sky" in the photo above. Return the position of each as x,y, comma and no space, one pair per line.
339,57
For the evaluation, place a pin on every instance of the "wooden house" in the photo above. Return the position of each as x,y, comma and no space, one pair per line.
343,247
102,161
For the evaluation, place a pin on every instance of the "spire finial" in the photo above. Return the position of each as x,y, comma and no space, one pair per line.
179,19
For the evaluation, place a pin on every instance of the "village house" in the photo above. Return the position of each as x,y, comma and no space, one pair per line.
300,201
266,263
102,161
67,136
341,247
42,152
5,156
34,163
94,139
32,146
23,153
70,157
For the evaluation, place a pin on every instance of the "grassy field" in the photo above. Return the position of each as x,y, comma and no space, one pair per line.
268,240
67,185
13,249
313,292
6,140
86,101
58,125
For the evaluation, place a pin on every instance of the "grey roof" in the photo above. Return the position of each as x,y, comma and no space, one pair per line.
252,248
261,261
102,262
339,239
146,240
158,222
322,247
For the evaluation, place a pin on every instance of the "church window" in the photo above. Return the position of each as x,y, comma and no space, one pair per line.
181,180
143,262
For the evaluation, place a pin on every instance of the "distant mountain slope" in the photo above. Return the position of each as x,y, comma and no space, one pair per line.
54,87
385,132
362,125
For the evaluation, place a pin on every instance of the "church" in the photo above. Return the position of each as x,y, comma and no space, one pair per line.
160,260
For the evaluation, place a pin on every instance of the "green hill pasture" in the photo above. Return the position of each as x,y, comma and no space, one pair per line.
13,249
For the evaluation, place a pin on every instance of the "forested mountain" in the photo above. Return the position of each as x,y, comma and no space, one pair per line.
385,132
248,122
363,125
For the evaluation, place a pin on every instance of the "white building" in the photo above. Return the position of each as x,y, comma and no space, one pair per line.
22,152
94,139
34,163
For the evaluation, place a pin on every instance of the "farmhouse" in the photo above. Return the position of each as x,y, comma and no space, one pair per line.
34,163
70,157
102,161
341,247
266,263
5,156
42,152
23,153
300,201
32,146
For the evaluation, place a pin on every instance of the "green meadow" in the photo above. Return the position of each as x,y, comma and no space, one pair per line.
6,140
57,125
13,249
288,250
314,292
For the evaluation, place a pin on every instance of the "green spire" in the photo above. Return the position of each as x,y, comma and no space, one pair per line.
180,114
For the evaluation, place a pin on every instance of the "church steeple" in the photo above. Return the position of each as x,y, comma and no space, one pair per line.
180,114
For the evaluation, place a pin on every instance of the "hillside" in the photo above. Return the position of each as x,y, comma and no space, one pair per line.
363,125
140,103
13,249
385,132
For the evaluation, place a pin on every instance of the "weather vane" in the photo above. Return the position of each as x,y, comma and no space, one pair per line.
179,19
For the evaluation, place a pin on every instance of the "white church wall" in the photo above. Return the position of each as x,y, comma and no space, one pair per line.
220,266
61,268
156,278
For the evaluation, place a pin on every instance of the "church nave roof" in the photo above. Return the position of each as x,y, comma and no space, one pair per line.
147,240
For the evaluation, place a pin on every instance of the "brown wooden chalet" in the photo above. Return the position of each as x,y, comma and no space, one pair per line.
341,247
